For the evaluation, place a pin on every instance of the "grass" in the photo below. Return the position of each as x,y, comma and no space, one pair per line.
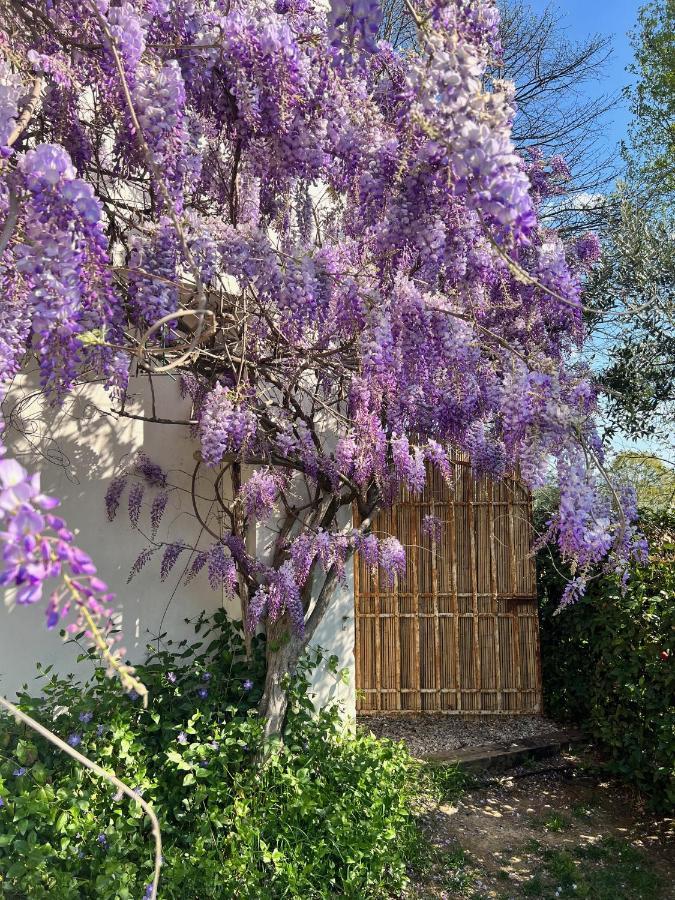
445,782
446,870
608,870
553,867
534,887
556,822
581,811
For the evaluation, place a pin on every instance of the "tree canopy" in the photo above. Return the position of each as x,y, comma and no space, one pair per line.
651,149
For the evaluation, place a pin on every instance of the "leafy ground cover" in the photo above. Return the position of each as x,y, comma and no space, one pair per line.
329,813
555,835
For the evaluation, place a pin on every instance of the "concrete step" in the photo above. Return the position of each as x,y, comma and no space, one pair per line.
498,757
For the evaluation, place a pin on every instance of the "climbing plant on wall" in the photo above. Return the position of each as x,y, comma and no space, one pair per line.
335,248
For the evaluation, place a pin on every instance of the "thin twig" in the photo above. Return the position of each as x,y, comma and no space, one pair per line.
29,109
10,220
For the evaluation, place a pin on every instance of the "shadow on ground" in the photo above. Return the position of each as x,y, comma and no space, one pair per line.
556,830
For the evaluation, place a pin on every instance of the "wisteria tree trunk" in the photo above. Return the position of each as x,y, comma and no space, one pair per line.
284,649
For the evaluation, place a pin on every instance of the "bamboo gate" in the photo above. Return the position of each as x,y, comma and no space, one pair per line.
459,632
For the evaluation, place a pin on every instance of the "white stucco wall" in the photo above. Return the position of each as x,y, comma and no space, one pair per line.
79,448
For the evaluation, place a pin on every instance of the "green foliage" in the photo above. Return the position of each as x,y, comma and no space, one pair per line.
443,781
653,99
633,289
653,480
326,814
632,333
608,662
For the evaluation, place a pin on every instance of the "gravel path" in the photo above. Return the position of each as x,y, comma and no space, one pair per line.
432,733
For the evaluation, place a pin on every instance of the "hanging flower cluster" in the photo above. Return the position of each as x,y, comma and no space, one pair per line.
65,284
226,426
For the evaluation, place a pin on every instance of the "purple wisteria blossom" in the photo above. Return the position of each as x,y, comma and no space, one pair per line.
113,496
433,527
38,549
260,493
169,559
588,248
64,264
226,426
392,558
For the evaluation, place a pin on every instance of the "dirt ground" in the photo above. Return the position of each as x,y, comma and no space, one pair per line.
555,830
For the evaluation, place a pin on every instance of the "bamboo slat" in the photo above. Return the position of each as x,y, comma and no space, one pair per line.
455,603
473,562
436,611
493,591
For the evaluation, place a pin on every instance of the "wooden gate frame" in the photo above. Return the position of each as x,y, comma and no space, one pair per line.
404,638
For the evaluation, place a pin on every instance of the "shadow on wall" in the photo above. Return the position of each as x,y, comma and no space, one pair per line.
79,447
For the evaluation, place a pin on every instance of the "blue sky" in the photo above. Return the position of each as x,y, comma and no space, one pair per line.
613,18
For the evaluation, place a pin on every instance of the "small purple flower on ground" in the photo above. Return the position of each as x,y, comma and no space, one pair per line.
20,772
86,717
74,740
247,685
102,840
171,677
206,676
203,693
182,737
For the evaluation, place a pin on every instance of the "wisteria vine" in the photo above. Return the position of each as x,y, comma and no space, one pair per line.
355,224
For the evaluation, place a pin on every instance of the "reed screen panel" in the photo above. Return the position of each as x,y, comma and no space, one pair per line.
458,633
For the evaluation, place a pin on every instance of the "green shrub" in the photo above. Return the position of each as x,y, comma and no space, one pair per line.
608,663
327,815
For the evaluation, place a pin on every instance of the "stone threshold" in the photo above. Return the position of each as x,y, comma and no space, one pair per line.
500,756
